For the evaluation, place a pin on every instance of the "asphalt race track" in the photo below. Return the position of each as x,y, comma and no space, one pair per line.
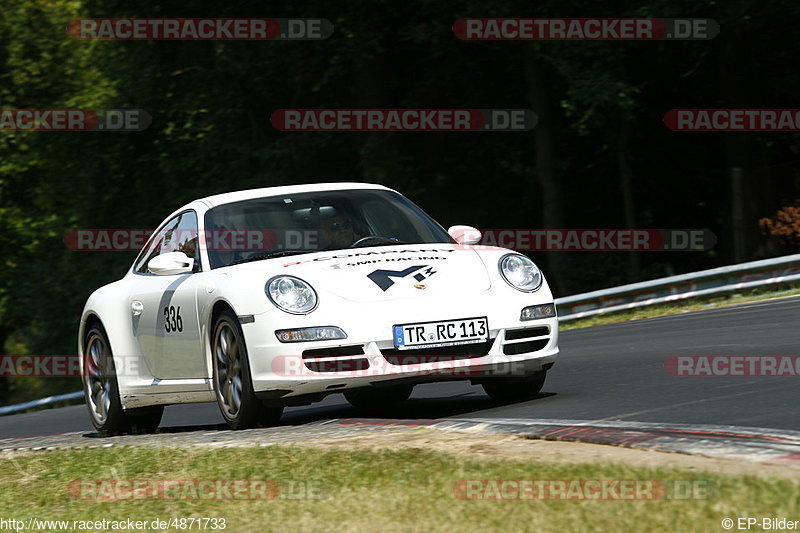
612,372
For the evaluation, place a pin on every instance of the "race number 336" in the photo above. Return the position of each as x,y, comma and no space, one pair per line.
172,319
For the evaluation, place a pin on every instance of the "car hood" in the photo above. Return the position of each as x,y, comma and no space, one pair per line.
384,273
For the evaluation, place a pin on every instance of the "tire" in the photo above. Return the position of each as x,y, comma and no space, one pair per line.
511,391
101,391
232,380
378,396
145,419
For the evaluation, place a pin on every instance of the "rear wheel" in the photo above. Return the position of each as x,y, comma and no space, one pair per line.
517,390
378,396
101,390
232,381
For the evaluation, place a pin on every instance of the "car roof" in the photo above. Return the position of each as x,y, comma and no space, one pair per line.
237,196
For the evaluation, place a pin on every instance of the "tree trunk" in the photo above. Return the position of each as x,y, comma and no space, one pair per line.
626,187
742,151
546,162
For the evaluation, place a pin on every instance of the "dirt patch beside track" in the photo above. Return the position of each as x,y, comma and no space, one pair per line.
514,447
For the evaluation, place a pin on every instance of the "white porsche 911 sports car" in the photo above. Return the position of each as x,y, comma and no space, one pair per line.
276,297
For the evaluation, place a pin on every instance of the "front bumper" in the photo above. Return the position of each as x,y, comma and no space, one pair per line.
368,356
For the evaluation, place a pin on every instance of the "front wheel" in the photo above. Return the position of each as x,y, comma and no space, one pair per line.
101,390
518,390
232,381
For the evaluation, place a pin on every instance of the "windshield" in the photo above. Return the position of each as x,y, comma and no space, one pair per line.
317,221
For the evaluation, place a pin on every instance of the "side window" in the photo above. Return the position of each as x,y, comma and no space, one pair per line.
177,235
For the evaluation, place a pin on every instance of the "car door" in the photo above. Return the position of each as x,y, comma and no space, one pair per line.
164,307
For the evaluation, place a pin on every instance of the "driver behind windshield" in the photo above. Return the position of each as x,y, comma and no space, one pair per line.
336,232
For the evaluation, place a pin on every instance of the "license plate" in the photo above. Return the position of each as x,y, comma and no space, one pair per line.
445,333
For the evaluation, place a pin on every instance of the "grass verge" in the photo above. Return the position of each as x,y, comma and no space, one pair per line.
674,308
392,490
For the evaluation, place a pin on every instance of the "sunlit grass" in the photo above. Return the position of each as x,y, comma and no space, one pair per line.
402,490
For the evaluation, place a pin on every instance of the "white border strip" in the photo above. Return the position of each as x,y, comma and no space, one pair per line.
625,424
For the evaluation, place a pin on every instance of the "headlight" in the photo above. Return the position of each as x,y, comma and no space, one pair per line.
520,272
291,294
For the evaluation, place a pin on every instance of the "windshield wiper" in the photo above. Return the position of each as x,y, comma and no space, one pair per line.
270,255
376,240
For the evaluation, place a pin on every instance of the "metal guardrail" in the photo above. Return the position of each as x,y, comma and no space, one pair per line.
50,400
673,288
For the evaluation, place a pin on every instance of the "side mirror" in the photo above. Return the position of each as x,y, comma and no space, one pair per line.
465,234
171,263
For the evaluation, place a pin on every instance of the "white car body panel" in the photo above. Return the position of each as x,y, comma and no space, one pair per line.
459,282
